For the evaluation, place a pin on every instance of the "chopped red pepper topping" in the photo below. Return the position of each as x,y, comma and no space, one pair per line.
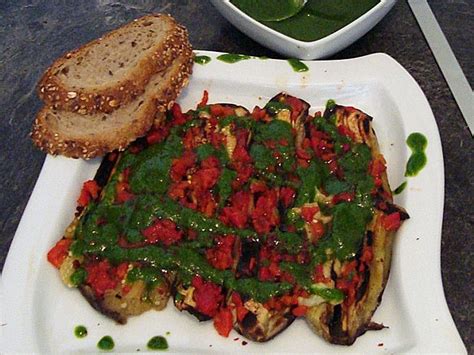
164,231
223,321
90,191
59,252
220,256
208,296
391,222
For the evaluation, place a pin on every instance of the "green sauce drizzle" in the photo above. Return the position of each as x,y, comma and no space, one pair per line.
400,188
298,66
417,161
106,343
202,59
80,331
233,58
157,343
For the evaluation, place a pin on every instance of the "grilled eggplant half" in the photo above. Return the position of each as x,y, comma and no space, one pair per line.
248,219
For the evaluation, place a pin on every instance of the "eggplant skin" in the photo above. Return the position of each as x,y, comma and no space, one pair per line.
119,306
260,324
342,324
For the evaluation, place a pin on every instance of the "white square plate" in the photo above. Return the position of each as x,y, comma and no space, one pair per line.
286,45
40,313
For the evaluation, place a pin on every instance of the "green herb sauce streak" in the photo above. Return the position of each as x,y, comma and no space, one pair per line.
97,232
106,343
400,188
157,343
417,142
298,66
233,58
80,331
202,59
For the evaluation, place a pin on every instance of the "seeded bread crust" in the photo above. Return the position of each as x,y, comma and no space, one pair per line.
59,94
52,128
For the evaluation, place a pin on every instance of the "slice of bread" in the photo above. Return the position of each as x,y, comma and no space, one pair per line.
88,136
113,70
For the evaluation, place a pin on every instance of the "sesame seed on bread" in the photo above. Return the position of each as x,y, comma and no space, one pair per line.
112,71
88,136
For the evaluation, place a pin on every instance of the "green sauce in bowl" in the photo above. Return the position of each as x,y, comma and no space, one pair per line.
315,20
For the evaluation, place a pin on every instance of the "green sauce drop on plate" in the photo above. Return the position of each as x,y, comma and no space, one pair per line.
417,161
233,58
157,343
80,331
298,66
270,10
106,343
202,59
400,188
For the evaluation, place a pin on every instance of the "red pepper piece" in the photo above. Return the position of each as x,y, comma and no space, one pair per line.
391,222
59,252
223,321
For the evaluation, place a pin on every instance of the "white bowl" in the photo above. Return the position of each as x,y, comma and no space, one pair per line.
291,47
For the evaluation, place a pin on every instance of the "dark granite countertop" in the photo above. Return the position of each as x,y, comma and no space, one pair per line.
33,33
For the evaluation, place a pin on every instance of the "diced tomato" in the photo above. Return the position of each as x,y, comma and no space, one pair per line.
367,255
123,192
101,277
391,222
317,230
258,113
343,197
296,106
156,135
205,98
299,311
287,196
208,296
239,306
318,275
122,270
179,117
90,190
180,165
220,257
308,212
59,252
303,154
164,231
265,215
223,321
206,178
345,131
376,168
258,186
221,111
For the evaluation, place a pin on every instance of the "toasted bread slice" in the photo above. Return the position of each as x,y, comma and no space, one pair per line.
88,136
113,70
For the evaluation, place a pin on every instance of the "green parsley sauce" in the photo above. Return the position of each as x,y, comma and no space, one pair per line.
400,188
233,58
157,343
316,20
265,10
417,142
80,331
98,231
106,343
202,59
298,66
